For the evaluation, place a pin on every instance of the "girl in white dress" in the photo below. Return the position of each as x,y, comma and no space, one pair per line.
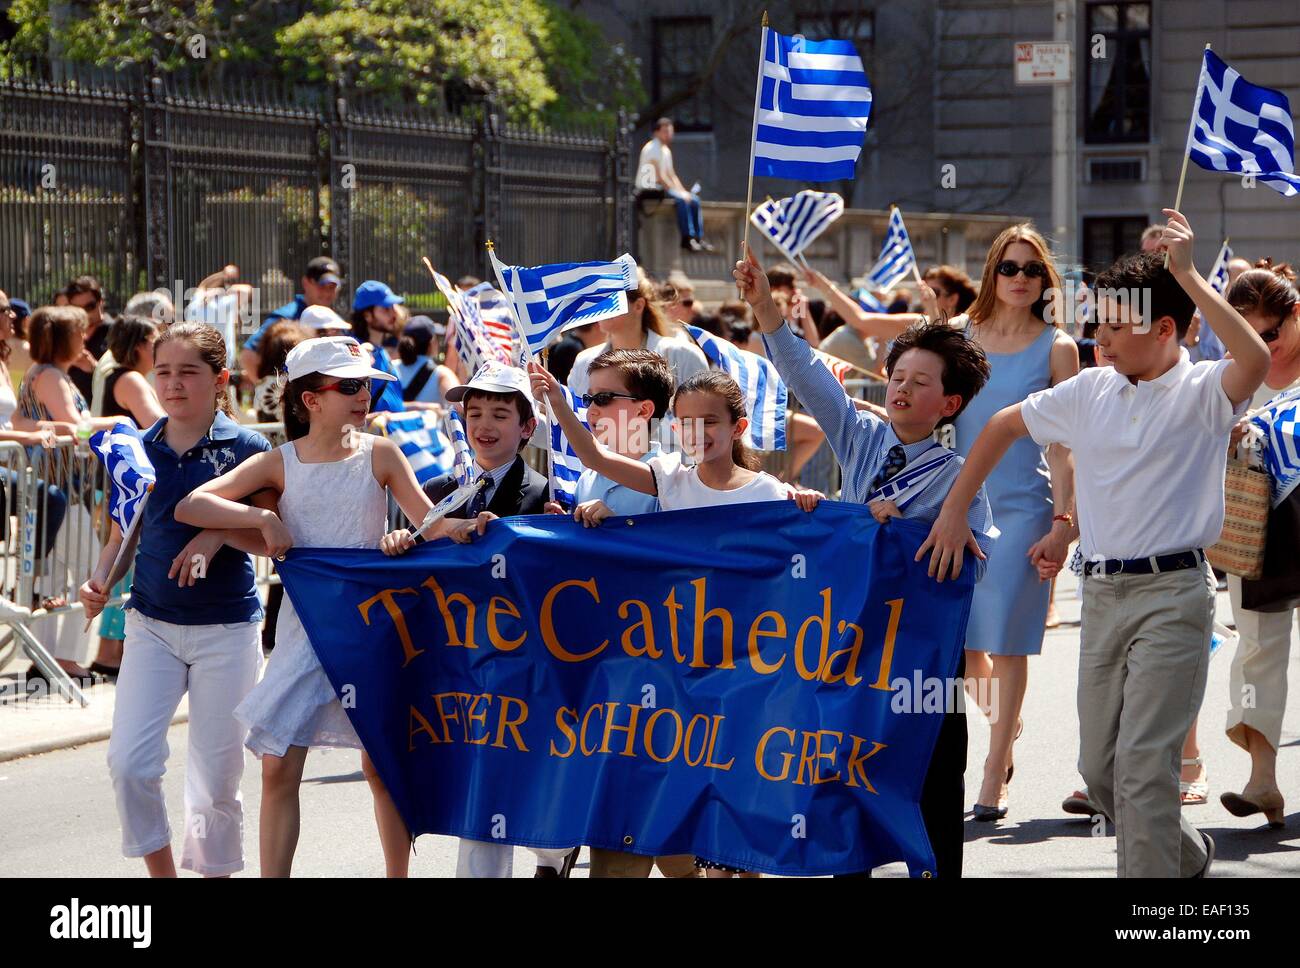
331,482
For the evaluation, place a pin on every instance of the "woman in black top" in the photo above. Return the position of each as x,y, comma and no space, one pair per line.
127,392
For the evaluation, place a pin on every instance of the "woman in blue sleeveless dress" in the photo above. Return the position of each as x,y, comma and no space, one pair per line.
1031,491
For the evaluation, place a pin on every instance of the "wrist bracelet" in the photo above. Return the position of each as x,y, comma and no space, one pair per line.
1067,518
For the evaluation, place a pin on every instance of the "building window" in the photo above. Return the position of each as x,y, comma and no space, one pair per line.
681,50
857,27
1119,85
1106,239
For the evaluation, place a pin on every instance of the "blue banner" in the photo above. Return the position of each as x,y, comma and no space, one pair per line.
755,685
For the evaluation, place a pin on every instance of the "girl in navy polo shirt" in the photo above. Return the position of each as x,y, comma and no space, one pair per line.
192,625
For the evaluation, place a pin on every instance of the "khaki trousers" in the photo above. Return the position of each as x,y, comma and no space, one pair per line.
1142,667
615,863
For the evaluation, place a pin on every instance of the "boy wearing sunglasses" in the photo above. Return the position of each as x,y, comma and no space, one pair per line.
627,389
1149,434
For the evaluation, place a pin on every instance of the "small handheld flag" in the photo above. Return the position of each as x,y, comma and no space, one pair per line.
813,104
121,451
793,223
566,468
1242,128
897,258
547,299
1218,277
764,390
462,464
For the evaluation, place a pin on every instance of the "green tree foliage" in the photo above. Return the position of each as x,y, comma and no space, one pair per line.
540,62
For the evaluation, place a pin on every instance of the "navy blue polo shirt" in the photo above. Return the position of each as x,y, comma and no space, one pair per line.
227,594
291,310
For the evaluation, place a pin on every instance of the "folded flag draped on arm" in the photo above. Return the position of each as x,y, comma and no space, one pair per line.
791,224
1279,423
419,435
1242,128
565,466
548,299
462,461
131,472
764,390
896,256
813,105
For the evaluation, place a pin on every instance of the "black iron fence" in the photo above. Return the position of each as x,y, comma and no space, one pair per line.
147,182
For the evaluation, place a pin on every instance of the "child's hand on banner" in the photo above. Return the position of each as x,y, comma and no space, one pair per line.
397,542
554,507
463,532
882,510
591,513
806,498
948,541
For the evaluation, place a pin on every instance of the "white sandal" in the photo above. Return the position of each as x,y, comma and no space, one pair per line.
1195,792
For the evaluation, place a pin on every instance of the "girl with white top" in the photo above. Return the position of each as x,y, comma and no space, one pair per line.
325,468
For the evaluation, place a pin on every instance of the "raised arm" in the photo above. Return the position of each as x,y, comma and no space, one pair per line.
1250,356
622,470
884,326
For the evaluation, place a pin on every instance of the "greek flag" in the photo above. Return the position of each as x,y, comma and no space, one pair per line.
565,466
462,461
764,390
1242,128
813,104
122,453
904,486
548,299
896,256
449,293
493,312
869,302
792,223
1218,277
419,435
1278,422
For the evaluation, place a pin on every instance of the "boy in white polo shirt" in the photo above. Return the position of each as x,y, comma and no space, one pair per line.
1150,439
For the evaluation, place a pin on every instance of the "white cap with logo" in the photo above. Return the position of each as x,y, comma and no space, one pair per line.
339,356
495,378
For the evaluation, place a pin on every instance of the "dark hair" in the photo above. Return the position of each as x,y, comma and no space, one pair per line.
50,334
84,284
710,324
1146,271
652,316
212,351
781,274
127,335
360,326
297,418
736,310
965,367
662,122
646,374
410,347
739,332
719,384
468,282
954,280
1267,289
276,344
522,405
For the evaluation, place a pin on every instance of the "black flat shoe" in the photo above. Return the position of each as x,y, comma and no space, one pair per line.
984,814
104,671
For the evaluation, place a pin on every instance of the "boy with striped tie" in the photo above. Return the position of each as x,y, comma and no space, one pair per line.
897,469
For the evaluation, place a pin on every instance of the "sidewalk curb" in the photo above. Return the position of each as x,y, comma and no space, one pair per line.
82,738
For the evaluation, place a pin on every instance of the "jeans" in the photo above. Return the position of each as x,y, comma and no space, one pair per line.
51,506
688,216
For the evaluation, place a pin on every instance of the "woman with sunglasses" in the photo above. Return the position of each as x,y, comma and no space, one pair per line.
1031,491
1268,299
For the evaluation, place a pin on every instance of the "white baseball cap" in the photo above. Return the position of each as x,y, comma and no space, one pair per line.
495,378
322,317
340,356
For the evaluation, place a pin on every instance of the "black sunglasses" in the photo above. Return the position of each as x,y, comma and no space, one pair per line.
1271,335
349,388
604,398
1032,270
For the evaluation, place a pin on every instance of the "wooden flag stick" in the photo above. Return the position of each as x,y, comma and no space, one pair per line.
1187,150
753,137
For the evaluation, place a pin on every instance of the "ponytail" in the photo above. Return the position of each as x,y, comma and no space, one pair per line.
212,351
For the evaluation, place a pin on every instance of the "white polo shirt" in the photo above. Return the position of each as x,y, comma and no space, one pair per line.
1149,458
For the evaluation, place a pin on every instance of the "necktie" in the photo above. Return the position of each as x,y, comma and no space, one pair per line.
479,502
895,461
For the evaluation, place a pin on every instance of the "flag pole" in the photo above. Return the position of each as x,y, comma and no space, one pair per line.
1187,149
753,137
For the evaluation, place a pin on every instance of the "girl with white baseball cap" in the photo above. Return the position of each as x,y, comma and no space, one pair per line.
332,483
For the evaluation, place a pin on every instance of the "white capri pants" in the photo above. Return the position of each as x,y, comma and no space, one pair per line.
217,665
477,858
1257,680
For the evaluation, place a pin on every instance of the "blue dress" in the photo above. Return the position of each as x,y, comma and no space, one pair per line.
1010,606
